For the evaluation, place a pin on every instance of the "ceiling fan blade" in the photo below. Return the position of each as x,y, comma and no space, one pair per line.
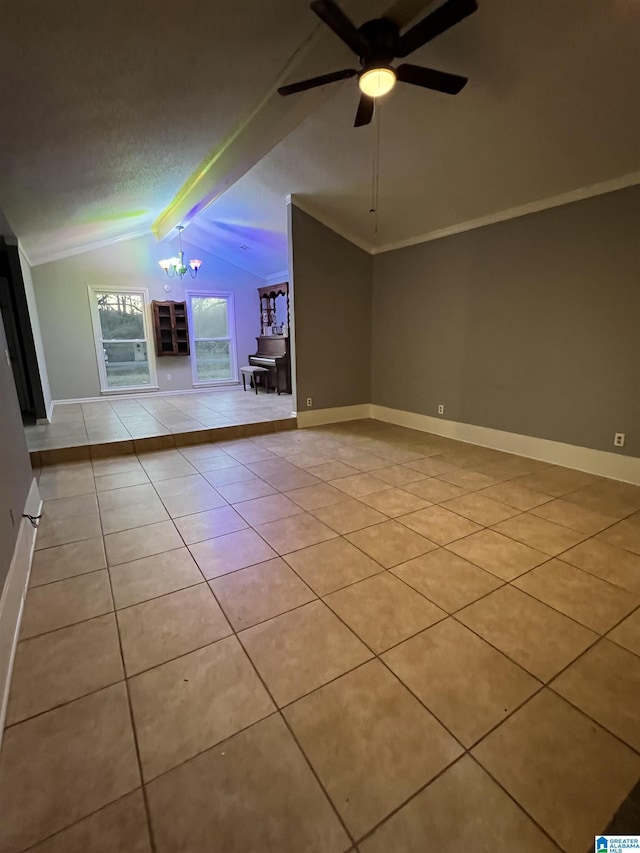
312,82
446,16
342,26
429,78
365,111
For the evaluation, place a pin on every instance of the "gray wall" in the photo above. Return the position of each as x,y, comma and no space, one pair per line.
331,284
65,320
15,466
530,326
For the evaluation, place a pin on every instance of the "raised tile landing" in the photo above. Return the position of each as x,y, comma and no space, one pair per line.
149,422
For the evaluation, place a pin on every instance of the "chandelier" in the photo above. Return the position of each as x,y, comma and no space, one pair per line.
176,266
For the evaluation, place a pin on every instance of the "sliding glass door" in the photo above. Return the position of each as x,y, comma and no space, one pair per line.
121,330
213,345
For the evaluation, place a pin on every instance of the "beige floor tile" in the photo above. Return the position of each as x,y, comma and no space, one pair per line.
124,463
73,528
228,553
117,828
66,507
612,564
556,481
131,496
383,611
332,565
246,490
270,508
498,554
288,480
395,502
539,533
480,508
583,597
349,516
440,525
66,602
165,628
435,491
66,561
60,766
308,459
150,577
332,470
260,592
468,685
122,480
625,534
359,485
186,495
574,516
516,496
270,800
432,467
446,579
608,496
627,633
566,772
232,473
314,497
117,519
301,650
129,545
298,531
210,524
65,484
188,705
64,665
390,543
371,743
398,475
605,684
538,638
462,810
165,465
470,480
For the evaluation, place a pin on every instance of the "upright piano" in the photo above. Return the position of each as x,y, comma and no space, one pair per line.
273,343
273,353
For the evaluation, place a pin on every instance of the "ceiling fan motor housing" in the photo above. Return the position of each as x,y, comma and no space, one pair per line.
382,36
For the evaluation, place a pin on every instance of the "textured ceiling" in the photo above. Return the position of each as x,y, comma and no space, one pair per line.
113,105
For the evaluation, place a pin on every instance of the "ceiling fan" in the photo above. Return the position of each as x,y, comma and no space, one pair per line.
377,43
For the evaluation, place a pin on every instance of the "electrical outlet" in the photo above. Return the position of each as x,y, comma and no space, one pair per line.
618,439
441,409
169,377
309,401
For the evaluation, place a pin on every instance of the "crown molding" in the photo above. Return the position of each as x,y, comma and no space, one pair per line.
305,207
601,188
47,257
277,277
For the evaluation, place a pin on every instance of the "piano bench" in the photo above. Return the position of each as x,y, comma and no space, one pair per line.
254,373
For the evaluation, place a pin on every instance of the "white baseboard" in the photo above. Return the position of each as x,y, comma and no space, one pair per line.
600,462
13,595
318,417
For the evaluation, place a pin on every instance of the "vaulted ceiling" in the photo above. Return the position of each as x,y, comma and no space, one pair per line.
119,115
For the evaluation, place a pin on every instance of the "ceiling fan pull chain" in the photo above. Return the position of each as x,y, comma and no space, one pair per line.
375,172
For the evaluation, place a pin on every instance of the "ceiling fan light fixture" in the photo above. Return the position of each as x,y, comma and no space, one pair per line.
378,81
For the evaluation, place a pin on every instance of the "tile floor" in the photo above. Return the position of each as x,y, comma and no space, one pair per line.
146,416
351,638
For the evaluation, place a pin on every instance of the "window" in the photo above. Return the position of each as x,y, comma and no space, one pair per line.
121,330
212,330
